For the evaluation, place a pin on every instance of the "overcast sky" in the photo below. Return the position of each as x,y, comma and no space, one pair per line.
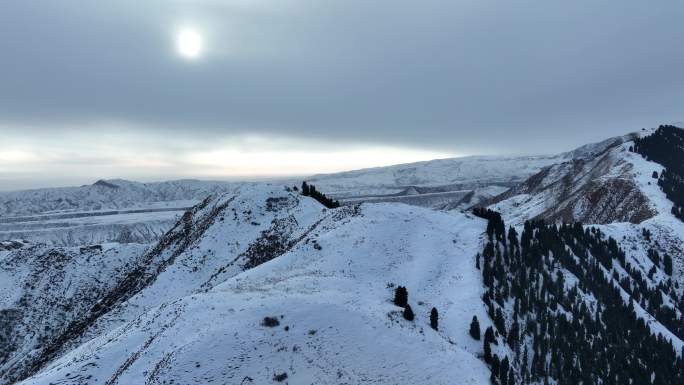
95,89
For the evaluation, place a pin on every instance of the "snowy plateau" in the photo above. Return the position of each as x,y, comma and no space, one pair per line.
194,282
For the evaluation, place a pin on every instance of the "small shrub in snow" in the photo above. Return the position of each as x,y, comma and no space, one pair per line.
270,322
280,377
647,234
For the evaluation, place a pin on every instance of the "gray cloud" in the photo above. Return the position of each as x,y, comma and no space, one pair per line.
460,76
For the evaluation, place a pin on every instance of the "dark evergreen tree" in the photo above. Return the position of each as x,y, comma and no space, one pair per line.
603,340
654,256
499,322
408,313
666,147
310,191
667,262
434,318
401,296
488,339
475,328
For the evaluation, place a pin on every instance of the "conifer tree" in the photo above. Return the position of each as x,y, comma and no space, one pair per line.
475,328
487,352
434,318
667,262
310,191
488,339
496,366
401,296
408,313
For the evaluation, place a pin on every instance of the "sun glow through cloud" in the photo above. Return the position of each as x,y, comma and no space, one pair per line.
189,43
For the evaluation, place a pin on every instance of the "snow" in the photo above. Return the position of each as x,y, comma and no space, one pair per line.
469,172
83,228
335,299
466,172
112,210
609,187
47,288
667,231
107,195
65,216
328,276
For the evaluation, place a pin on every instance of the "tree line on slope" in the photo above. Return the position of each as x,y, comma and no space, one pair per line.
570,309
309,190
666,147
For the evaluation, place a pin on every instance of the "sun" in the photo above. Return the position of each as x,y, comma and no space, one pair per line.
189,43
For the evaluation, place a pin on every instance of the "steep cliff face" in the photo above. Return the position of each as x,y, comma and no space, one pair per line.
601,187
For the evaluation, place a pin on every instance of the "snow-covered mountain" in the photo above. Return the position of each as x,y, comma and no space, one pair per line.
610,185
455,183
104,195
258,284
125,211
44,290
206,288
447,184
132,212
449,174
106,211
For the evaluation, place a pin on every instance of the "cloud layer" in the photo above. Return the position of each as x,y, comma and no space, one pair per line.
458,77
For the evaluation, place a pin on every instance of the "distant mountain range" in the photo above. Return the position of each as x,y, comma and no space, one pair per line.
125,211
